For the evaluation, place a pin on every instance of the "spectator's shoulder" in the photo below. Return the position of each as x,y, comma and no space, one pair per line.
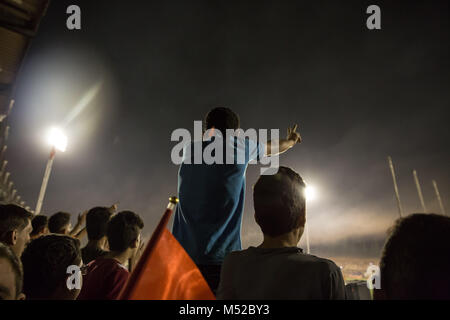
236,257
233,255
323,264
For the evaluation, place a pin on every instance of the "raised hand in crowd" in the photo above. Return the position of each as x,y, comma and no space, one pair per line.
113,208
78,230
276,147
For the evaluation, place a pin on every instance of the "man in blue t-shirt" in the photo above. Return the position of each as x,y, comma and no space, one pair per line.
208,218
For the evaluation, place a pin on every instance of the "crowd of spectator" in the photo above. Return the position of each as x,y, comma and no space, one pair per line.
36,251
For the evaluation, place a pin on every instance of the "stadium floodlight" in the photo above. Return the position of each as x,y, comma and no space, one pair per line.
310,193
58,140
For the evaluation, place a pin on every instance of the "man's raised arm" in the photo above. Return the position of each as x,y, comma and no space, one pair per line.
291,140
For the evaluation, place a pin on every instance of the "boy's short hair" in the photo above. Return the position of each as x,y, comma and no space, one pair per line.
58,221
221,118
13,217
39,223
97,222
45,261
123,229
279,202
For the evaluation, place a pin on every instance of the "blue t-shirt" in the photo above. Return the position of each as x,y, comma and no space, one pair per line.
208,217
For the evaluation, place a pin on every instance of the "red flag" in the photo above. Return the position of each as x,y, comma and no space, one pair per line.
165,271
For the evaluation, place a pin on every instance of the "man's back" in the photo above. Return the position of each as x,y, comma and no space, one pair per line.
104,280
280,273
208,218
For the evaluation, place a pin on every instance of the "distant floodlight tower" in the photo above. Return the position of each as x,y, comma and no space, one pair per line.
394,180
310,195
438,196
2,170
13,195
419,191
5,179
2,153
58,140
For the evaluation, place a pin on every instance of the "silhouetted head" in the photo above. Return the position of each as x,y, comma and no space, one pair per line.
97,222
279,202
415,263
15,227
124,231
221,118
59,223
39,224
11,274
45,262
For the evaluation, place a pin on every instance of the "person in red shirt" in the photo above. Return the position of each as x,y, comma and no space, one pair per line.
105,277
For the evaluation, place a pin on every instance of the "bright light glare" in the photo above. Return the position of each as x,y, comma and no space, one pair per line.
83,103
57,139
310,193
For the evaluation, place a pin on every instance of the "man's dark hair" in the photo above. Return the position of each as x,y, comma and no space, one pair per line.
45,261
13,217
97,222
279,202
7,254
58,221
415,263
123,229
39,223
221,118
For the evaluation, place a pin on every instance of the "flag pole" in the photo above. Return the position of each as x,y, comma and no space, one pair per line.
140,265
419,191
438,196
394,180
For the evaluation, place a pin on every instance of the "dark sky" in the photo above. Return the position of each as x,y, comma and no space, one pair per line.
358,96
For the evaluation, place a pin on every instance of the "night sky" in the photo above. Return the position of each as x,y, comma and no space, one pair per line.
357,95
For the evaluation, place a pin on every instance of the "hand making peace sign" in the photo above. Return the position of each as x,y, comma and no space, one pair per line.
293,135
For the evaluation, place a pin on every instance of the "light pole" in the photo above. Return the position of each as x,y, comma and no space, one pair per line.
419,191
58,141
394,180
310,194
438,196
